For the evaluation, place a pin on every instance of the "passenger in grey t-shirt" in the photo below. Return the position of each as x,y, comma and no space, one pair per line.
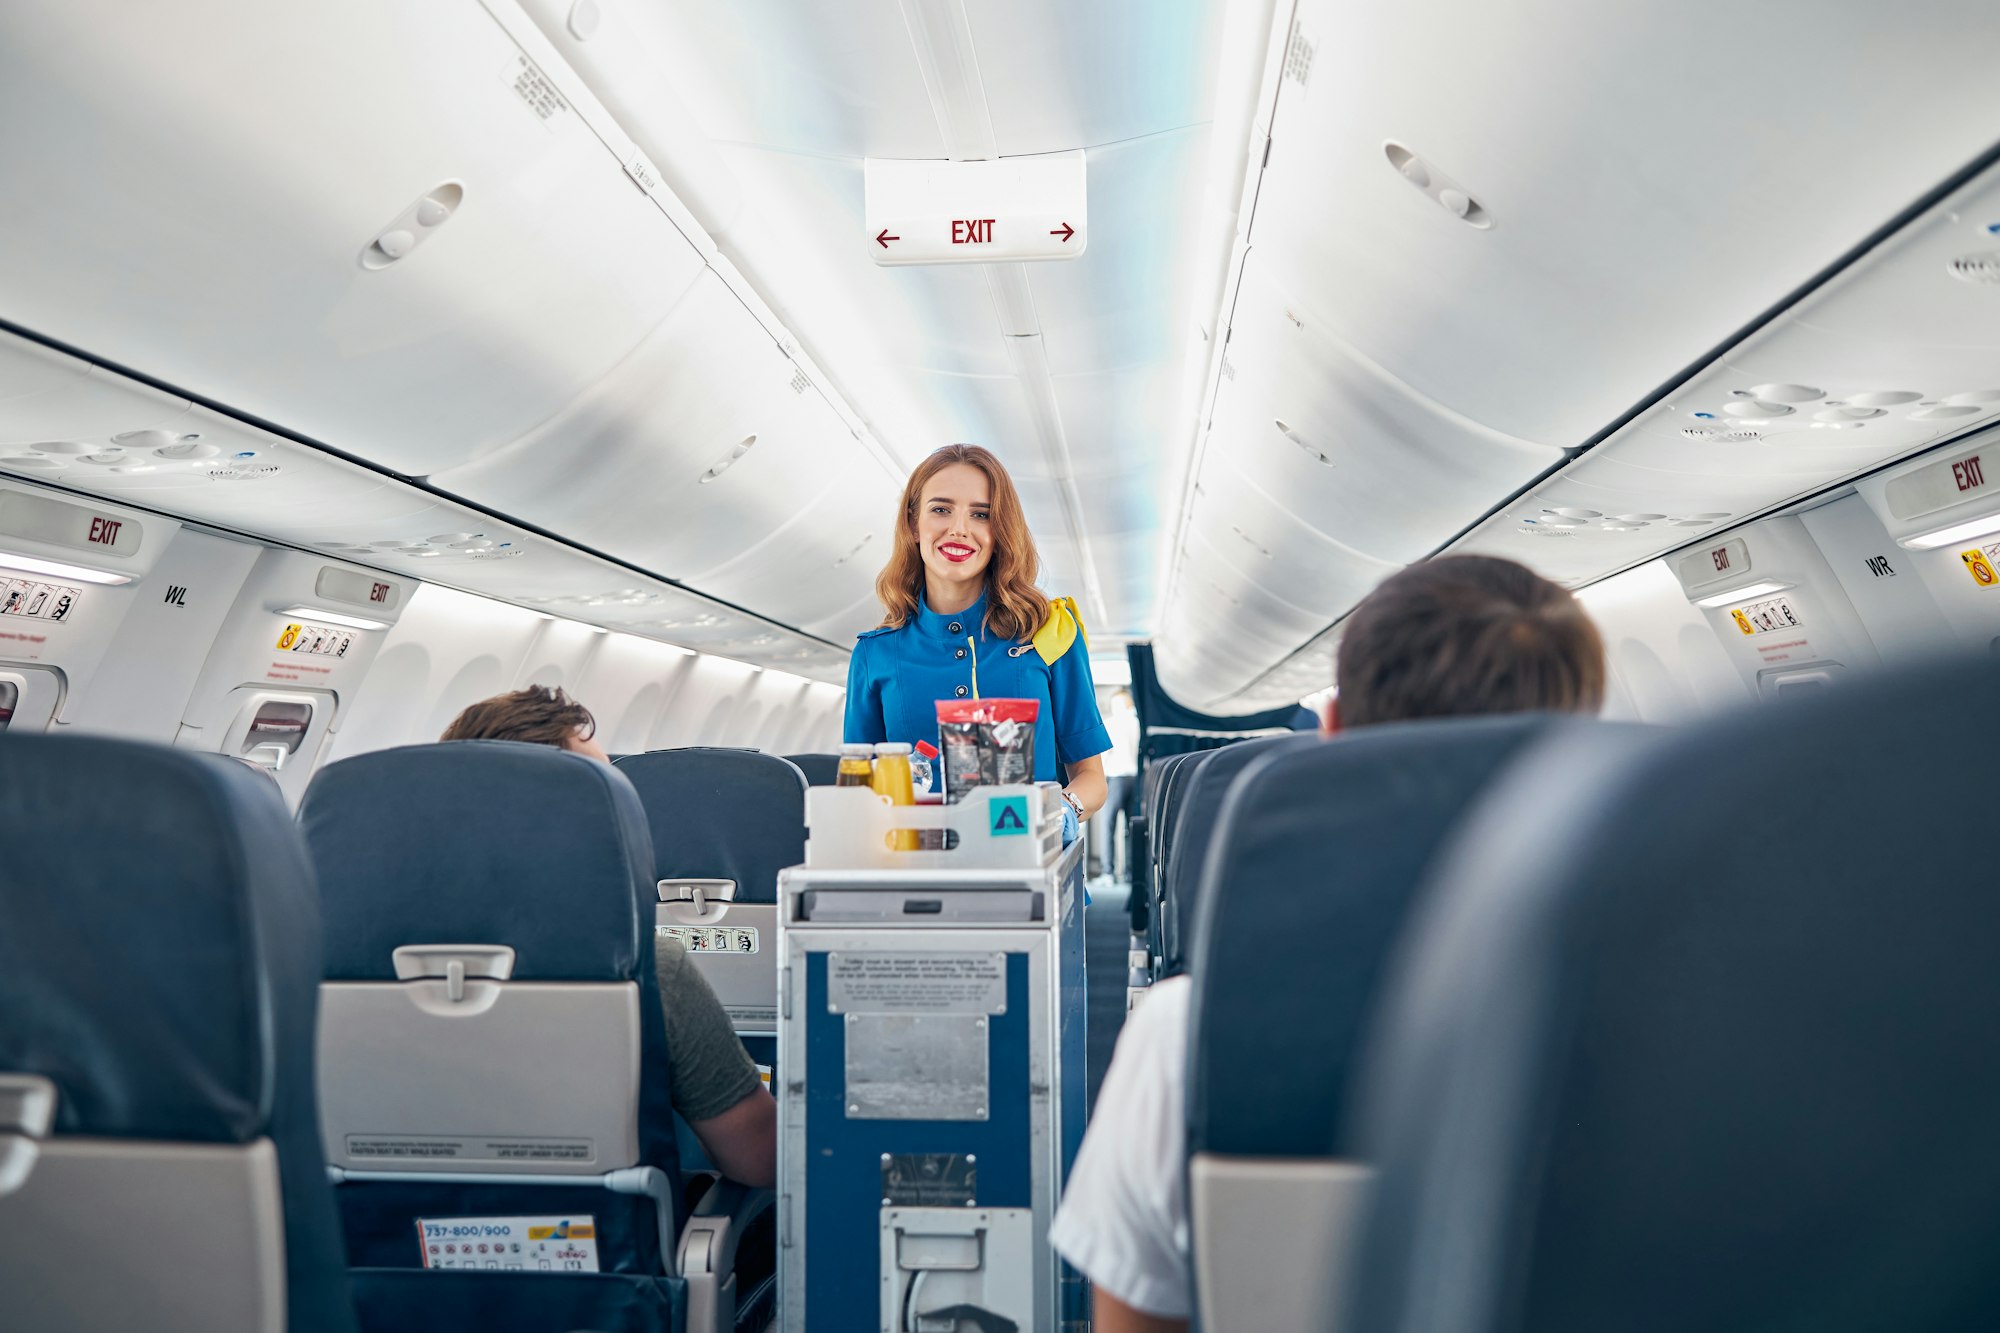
715,1084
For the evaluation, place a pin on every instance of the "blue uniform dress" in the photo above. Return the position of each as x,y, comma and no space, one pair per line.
896,676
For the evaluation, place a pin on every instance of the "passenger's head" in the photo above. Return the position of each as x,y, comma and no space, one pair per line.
1466,634
959,525
539,715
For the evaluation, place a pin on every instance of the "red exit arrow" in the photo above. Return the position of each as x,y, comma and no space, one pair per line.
882,238
1065,231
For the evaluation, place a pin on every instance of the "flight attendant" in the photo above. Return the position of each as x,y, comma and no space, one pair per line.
962,618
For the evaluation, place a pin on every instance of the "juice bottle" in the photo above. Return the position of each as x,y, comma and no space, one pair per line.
892,780
856,769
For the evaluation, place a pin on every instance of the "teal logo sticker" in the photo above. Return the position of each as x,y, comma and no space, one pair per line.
1007,815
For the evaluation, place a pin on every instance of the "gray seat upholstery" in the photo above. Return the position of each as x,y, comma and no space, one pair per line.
492,1042
1316,861
160,1157
1698,1032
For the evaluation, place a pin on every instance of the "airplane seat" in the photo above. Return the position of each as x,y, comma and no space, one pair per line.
820,769
1200,805
1319,849
1139,851
160,1157
724,823
1174,786
492,1047
1697,1032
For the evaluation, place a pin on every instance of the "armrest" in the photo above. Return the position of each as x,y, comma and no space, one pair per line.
708,1252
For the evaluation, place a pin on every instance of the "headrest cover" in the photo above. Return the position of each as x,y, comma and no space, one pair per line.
1317,858
482,842
722,814
143,892
1698,1033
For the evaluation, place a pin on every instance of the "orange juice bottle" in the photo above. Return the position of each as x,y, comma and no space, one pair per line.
892,780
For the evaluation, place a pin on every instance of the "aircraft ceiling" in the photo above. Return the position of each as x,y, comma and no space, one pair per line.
1358,277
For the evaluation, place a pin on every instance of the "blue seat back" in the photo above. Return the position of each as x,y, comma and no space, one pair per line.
506,844
1318,853
1200,810
1699,1032
819,769
159,964
722,814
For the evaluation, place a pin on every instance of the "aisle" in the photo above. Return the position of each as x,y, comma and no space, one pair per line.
1107,935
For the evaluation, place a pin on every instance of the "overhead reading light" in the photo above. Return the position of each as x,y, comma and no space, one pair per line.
1957,532
333,617
57,569
1742,594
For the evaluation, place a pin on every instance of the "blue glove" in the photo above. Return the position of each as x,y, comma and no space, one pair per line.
1070,826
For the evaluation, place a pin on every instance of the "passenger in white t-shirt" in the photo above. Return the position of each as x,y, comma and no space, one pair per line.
1451,637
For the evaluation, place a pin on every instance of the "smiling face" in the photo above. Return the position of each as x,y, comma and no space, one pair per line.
953,526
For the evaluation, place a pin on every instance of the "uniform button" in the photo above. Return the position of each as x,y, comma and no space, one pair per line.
955,627
960,691
959,653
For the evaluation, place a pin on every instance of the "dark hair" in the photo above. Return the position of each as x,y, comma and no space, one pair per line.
1467,634
539,714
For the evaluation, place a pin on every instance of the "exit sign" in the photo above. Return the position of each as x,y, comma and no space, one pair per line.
1008,209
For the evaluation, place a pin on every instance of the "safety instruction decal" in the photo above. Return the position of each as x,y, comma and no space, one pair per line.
910,983
519,1244
316,640
1980,562
1774,613
713,939
37,601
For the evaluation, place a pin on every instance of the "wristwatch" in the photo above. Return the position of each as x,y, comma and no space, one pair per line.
1074,804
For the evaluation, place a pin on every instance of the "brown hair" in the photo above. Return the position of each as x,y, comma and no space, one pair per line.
1015,607
1467,634
539,714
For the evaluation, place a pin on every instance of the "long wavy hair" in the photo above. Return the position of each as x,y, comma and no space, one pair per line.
1015,607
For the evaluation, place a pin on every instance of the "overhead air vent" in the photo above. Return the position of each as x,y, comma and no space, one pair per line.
1301,442
1981,267
728,460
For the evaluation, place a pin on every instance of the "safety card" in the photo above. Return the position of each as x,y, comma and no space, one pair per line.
524,1244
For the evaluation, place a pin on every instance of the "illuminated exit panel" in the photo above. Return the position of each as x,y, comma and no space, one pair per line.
1008,209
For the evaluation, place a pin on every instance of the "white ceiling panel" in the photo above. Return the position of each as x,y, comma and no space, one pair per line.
1650,190
199,209
621,470
1894,356
1062,76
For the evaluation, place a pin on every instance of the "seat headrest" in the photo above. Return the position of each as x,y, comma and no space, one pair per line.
820,770
722,814
1701,1026
1317,857
1199,807
481,842
155,905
